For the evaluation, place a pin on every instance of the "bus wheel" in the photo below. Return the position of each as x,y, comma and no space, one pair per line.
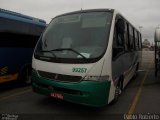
118,90
25,76
136,72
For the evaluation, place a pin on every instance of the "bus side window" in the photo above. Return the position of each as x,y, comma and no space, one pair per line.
136,40
140,41
131,38
126,36
118,39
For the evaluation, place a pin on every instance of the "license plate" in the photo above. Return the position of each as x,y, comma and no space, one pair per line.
57,95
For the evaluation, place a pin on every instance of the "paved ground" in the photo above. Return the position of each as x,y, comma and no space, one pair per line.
141,98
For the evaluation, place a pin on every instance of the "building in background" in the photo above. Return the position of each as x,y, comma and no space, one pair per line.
147,45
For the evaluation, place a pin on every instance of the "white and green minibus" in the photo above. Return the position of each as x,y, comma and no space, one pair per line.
86,57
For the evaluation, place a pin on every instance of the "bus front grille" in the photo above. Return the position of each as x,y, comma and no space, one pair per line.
59,77
58,89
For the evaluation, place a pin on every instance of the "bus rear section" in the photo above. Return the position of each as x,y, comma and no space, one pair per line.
73,58
18,37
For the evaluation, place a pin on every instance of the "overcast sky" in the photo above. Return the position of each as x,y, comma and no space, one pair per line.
144,13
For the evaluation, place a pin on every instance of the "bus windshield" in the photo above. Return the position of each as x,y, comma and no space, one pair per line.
73,37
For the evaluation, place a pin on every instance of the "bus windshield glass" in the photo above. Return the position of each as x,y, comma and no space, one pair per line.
81,37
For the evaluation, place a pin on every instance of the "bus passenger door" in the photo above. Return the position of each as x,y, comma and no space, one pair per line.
121,60
118,51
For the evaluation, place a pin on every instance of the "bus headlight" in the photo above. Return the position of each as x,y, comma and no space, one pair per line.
97,78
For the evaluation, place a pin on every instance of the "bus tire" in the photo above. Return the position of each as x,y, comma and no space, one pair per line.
118,90
137,67
136,72
25,76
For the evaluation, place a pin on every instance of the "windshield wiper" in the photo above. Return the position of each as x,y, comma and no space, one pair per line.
69,49
50,51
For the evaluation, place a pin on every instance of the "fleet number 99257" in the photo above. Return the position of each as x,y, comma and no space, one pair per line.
79,70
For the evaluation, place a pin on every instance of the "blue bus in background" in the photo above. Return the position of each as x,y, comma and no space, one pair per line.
18,36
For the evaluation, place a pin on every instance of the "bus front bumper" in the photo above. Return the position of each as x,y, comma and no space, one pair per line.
91,93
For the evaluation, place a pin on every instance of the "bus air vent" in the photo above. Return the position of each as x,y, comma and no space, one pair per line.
59,77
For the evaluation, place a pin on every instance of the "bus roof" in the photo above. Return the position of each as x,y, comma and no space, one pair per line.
96,10
89,10
19,23
20,17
